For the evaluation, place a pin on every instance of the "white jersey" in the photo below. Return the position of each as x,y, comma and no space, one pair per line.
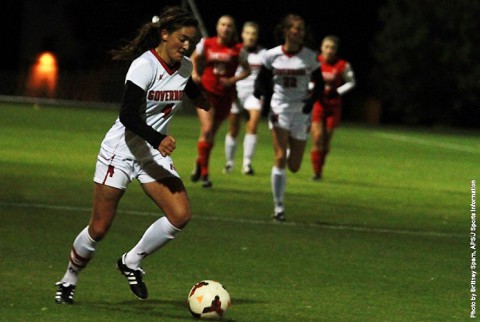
245,86
291,76
164,91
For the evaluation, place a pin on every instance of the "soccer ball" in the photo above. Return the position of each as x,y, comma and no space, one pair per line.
208,300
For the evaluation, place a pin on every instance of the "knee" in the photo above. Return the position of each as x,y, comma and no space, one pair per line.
180,219
98,230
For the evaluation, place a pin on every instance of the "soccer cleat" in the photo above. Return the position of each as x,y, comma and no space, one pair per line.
206,183
195,176
65,293
248,170
279,217
134,278
227,168
317,177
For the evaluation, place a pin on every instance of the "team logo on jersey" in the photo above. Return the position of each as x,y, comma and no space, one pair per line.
172,167
160,77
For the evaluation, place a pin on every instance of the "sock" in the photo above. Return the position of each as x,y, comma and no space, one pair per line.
204,149
155,237
82,251
279,182
249,143
230,148
318,161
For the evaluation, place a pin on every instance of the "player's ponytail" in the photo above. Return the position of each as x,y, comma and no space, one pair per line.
148,36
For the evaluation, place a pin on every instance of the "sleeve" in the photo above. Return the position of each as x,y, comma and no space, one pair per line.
191,89
200,47
316,92
141,73
134,98
263,83
349,79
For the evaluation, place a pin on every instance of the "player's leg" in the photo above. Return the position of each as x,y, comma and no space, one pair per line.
105,202
204,145
231,137
318,133
250,140
278,176
297,149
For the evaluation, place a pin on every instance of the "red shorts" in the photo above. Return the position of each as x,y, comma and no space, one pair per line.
221,104
331,113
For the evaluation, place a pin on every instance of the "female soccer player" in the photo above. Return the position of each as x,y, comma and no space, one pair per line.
288,68
245,101
340,79
220,56
138,146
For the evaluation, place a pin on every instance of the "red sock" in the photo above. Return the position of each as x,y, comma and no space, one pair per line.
318,160
204,149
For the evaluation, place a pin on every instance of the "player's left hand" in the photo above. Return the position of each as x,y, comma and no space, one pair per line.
167,145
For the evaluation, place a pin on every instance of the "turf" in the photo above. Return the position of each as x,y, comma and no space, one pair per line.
383,237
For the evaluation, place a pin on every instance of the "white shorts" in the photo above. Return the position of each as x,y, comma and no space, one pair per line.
297,123
249,103
118,172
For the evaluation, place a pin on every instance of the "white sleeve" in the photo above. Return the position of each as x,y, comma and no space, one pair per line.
349,78
141,73
199,48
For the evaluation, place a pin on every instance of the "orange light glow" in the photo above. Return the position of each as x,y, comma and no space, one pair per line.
42,80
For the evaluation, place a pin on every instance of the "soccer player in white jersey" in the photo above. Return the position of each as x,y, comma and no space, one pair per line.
287,70
245,101
138,147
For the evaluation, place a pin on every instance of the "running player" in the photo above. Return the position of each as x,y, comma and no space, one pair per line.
245,101
288,68
220,57
340,79
138,146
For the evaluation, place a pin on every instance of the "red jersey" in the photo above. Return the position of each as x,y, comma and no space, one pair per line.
220,61
333,75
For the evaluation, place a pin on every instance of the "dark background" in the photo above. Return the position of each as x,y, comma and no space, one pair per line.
412,59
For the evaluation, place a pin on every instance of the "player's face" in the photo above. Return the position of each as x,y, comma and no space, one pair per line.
329,49
249,36
225,28
179,42
296,33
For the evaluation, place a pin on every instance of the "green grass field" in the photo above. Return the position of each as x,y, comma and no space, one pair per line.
384,237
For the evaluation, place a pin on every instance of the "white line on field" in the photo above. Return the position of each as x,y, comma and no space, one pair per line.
248,221
409,139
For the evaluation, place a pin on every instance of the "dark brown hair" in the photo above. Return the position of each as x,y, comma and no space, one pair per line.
171,18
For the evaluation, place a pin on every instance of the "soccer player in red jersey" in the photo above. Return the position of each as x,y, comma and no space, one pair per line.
219,56
339,79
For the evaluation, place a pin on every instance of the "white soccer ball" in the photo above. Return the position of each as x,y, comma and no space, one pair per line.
208,300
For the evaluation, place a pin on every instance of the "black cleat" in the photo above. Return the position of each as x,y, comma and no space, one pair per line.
317,177
279,216
248,170
228,168
134,278
65,293
195,176
206,183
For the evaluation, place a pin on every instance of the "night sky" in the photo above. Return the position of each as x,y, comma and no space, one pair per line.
83,31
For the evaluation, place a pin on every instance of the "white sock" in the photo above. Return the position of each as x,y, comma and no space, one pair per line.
249,143
279,183
155,237
82,251
230,147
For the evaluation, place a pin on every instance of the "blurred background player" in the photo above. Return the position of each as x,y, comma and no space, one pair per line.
138,146
245,101
215,61
339,79
288,69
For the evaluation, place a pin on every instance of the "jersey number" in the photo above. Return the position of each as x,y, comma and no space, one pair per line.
167,110
289,82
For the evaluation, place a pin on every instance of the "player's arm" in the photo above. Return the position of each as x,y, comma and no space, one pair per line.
349,80
263,86
196,59
195,94
133,99
316,92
